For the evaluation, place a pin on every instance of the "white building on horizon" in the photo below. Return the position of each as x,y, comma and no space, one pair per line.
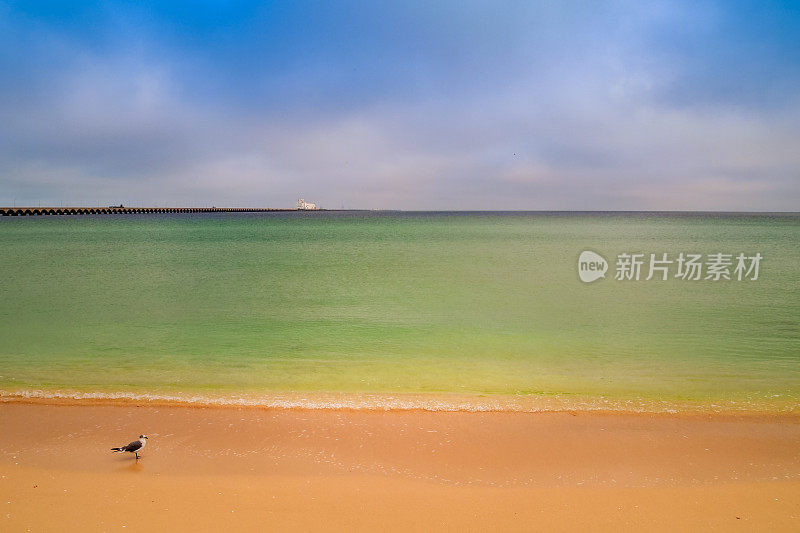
302,204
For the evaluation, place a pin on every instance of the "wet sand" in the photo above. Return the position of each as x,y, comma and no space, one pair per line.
290,469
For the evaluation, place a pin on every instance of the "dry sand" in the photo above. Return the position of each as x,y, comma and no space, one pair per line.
210,469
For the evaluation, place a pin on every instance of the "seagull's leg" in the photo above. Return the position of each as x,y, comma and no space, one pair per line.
137,455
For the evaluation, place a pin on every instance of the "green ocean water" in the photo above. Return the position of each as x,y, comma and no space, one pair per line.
468,303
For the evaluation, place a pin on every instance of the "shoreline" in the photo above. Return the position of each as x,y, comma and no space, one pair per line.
425,402
329,469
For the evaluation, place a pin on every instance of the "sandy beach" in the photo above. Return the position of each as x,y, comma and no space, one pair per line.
292,469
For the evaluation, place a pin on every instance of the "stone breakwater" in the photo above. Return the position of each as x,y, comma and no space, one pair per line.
33,211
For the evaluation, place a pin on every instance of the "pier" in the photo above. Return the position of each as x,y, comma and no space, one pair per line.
121,210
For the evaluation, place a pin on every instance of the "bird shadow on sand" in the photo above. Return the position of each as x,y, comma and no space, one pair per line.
132,467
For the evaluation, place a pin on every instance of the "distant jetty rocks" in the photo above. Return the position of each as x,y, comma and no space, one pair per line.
122,210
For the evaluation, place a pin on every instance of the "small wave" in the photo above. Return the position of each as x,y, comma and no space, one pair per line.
404,402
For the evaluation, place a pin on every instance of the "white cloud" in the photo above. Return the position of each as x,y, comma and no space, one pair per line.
581,128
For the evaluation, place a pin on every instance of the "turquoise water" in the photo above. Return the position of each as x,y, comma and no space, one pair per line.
469,303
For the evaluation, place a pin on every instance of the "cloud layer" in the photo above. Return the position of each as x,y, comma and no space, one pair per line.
463,105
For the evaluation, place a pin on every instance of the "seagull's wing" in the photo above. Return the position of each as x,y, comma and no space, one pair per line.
132,447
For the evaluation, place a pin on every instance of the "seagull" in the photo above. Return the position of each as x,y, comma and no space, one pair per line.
134,447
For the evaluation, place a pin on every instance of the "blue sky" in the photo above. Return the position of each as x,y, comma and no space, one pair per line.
406,105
